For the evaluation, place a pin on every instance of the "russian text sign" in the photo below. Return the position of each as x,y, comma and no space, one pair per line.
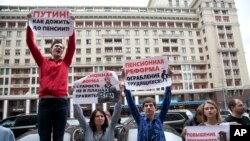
98,87
51,22
148,73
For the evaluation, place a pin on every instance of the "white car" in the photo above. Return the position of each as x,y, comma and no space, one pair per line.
132,136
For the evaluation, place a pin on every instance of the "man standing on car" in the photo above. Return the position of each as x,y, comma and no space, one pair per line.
237,108
150,126
53,86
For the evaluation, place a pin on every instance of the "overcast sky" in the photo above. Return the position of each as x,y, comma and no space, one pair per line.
241,5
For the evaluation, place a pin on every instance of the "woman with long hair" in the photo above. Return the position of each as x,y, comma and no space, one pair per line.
98,128
211,113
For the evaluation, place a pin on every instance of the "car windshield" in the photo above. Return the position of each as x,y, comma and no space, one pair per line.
8,122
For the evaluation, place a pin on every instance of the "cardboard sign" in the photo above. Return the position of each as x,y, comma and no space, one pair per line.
148,73
207,133
51,22
99,87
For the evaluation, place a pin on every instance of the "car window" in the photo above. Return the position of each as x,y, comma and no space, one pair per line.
224,112
173,117
9,122
25,121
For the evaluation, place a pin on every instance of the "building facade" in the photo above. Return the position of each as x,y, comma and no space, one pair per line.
201,39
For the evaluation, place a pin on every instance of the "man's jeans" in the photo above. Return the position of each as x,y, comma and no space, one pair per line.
52,117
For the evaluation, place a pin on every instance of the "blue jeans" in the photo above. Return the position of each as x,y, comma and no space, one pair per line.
52,117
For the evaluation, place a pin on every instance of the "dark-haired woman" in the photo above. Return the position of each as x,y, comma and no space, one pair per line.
98,128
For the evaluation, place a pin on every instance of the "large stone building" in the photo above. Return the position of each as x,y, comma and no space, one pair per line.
201,39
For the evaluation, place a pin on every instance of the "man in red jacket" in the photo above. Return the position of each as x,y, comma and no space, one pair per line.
53,91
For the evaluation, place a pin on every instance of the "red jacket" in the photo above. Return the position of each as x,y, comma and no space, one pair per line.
53,75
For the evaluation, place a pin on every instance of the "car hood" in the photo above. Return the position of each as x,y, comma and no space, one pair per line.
132,135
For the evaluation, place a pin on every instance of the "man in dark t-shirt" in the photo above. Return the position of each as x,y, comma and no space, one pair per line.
237,108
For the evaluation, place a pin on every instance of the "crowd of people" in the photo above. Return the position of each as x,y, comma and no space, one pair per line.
53,105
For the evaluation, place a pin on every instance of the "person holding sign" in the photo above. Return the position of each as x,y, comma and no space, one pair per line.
150,126
99,128
53,74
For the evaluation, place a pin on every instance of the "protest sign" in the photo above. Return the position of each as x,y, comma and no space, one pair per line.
51,22
148,73
208,133
98,87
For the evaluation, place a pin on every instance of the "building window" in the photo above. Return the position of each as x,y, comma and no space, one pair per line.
156,42
155,32
38,42
78,32
17,52
191,42
88,41
190,33
88,60
192,50
185,3
128,50
128,58
137,50
184,50
108,59
17,61
27,52
181,33
88,51
127,41
98,59
9,33
182,41
156,50
19,34
107,32
6,61
27,61
78,60
137,41
127,33
207,4
88,32
136,32
98,32
98,51
147,50
8,43
18,43
98,41
78,51
146,41
78,42
7,52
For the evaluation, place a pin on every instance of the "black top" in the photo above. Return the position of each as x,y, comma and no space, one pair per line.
243,120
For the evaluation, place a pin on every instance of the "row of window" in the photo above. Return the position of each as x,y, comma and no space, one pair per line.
220,4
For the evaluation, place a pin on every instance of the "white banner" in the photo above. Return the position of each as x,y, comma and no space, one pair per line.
98,87
148,73
51,22
208,133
